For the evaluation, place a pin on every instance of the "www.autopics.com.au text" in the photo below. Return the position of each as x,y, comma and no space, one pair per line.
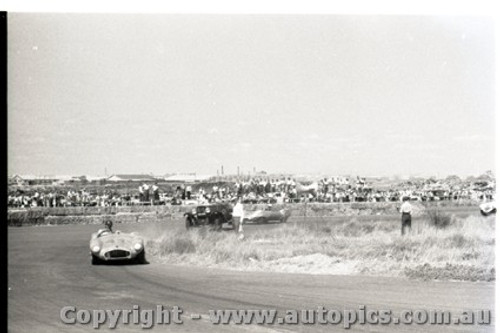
162,315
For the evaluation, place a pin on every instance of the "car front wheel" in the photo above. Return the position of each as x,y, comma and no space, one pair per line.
141,258
95,260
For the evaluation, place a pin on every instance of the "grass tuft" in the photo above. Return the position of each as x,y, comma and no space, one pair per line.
439,219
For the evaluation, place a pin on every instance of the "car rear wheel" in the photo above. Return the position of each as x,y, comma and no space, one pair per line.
217,223
189,223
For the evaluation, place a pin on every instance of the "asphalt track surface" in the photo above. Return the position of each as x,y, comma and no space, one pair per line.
49,268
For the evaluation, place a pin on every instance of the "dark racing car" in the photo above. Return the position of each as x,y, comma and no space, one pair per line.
214,214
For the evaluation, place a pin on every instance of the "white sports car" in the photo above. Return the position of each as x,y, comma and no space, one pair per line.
264,216
110,246
488,208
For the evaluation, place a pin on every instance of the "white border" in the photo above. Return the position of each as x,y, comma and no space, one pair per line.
374,7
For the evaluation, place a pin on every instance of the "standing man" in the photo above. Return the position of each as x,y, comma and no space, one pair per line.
156,194
405,211
141,194
145,188
238,216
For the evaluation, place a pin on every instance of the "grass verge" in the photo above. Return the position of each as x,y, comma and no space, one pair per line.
463,249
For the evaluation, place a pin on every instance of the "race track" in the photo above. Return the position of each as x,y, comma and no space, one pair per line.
49,268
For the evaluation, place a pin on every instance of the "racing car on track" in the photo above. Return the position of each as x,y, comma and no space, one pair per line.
213,214
488,208
264,216
112,246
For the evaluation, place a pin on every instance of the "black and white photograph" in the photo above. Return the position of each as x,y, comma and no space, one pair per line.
260,171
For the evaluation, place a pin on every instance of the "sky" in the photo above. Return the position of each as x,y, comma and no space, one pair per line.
372,95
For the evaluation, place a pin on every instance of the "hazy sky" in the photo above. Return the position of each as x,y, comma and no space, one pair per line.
360,95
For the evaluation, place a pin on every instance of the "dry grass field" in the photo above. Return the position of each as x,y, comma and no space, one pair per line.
440,247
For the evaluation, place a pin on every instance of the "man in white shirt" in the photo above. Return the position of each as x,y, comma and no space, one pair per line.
405,211
238,216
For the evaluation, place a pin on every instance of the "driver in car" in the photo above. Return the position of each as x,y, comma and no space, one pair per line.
108,230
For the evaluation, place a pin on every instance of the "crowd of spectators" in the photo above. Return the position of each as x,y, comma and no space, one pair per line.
329,190
252,190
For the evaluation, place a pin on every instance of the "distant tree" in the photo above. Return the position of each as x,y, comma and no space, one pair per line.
453,179
431,180
488,175
83,179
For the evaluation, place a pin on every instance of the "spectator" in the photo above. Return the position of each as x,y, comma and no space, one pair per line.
406,211
156,194
238,216
141,193
145,188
